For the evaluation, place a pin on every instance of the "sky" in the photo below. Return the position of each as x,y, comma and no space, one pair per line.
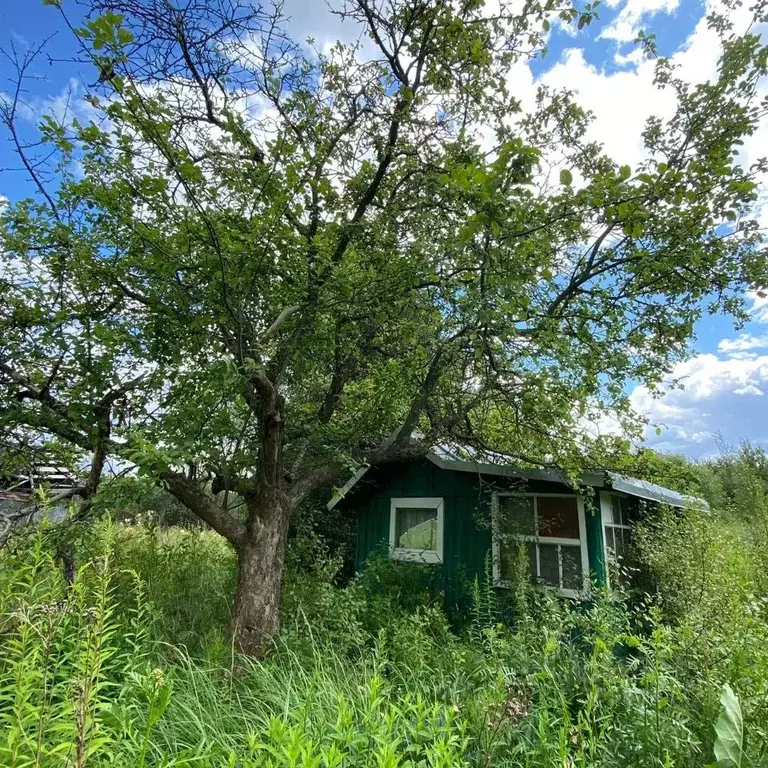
723,397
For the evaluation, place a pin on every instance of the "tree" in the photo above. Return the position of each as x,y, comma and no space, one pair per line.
260,265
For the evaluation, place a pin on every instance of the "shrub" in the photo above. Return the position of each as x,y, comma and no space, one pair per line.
189,576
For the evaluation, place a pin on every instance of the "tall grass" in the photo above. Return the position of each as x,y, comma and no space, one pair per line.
106,673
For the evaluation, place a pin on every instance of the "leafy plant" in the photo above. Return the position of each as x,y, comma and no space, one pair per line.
730,731
88,678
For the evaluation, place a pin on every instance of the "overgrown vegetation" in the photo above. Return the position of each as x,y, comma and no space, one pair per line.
131,665
255,265
251,264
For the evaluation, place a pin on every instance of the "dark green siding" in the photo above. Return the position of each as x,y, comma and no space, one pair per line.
467,513
595,545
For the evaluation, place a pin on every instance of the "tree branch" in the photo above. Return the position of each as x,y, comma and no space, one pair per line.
197,501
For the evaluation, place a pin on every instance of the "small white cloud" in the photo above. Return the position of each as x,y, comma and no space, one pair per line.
750,389
743,343
632,59
626,25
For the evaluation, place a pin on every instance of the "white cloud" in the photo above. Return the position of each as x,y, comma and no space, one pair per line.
743,342
750,389
63,106
621,101
719,396
628,22
632,59
759,308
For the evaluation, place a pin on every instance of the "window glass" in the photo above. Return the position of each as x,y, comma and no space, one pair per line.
619,510
507,554
572,574
518,515
533,568
534,521
558,516
549,565
619,539
416,528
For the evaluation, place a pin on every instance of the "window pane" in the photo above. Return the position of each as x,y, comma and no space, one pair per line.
508,552
607,512
619,506
532,567
572,574
621,536
517,515
616,540
558,516
549,566
416,528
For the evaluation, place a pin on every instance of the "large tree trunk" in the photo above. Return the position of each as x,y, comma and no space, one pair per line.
261,558
261,552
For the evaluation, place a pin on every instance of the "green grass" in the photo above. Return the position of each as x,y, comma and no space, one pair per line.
132,667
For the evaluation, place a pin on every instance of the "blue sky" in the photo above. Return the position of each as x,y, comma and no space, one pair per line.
726,380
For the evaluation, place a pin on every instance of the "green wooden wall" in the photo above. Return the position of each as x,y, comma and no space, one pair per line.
467,514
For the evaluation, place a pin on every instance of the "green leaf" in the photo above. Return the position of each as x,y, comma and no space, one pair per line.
124,36
625,172
54,3
729,731
566,177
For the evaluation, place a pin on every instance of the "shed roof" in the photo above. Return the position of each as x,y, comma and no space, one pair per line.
460,458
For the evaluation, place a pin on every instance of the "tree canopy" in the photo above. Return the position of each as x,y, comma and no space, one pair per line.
260,264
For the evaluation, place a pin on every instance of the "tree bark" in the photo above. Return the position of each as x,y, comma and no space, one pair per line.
261,552
261,558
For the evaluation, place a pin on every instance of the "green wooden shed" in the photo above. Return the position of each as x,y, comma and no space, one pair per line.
454,506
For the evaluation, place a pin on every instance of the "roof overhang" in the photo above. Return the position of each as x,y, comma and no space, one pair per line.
445,458
466,460
642,489
593,479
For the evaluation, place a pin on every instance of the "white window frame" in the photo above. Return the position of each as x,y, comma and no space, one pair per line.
606,514
416,555
581,541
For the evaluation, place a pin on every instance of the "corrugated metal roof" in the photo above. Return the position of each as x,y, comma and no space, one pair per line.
645,490
463,458
467,459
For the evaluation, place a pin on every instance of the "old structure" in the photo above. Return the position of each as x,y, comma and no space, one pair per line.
26,498
452,508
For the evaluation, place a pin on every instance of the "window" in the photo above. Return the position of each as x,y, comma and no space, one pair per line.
552,529
617,530
416,530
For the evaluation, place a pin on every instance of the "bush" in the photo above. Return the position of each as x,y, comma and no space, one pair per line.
189,576
710,588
